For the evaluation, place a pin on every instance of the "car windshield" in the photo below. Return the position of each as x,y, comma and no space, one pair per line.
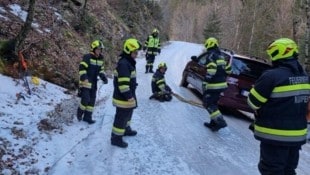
248,68
202,59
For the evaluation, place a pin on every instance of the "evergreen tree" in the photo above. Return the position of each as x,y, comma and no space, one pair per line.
213,27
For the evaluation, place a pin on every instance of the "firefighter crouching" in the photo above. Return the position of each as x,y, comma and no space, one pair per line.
280,98
90,68
161,91
124,95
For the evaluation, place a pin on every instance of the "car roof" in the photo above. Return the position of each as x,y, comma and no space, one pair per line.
251,58
256,59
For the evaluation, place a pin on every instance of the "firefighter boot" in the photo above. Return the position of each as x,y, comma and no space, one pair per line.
130,132
210,125
80,113
117,140
147,69
219,123
151,69
87,118
216,124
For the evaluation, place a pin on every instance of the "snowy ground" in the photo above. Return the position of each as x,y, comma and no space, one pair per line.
40,135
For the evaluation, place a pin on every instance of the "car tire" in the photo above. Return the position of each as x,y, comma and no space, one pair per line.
224,110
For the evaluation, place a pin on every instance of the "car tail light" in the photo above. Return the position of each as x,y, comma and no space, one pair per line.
232,80
245,93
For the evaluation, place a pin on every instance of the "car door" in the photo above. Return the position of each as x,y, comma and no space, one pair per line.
197,72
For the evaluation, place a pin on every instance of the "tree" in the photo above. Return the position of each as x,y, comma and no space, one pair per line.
213,27
18,41
307,61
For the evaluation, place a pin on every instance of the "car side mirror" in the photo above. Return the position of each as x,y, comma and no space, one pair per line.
194,58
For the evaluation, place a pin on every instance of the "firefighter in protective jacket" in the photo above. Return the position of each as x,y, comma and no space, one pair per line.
280,98
214,83
152,47
161,91
90,68
124,95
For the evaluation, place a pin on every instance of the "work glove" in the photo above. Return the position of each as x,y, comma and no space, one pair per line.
144,48
104,79
166,92
131,99
158,51
204,86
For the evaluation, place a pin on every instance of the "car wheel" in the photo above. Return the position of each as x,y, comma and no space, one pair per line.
184,83
224,110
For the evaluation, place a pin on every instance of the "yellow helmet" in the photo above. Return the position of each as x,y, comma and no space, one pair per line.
162,65
211,42
131,45
155,31
96,44
282,48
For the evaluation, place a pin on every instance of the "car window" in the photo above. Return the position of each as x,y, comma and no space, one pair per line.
248,67
202,59
226,56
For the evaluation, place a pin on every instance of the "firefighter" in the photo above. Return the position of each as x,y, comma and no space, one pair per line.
280,98
152,47
214,83
90,68
124,95
161,91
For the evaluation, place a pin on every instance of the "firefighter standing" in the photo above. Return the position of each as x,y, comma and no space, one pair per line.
280,98
124,96
152,47
161,91
90,68
214,83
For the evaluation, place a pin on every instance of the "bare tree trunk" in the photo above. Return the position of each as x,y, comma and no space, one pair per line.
253,27
84,11
20,38
307,34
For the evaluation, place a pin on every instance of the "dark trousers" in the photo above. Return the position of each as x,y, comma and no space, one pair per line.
210,99
150,59
278,160
122,117
88,99
149,63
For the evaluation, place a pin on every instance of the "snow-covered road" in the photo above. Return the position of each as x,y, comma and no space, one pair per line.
171,137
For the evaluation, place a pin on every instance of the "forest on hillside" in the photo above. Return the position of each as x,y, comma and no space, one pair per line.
245,26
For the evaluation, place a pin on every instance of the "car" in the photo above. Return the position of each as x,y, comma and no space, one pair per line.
245,70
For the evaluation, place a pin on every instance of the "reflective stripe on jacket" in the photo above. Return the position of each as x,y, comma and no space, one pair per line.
89,69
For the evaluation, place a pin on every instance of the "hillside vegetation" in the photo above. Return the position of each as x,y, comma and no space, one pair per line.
53,50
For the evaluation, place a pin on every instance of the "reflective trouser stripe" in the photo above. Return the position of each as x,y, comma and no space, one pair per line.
118,131
281,135
124,104
215,114
121,120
